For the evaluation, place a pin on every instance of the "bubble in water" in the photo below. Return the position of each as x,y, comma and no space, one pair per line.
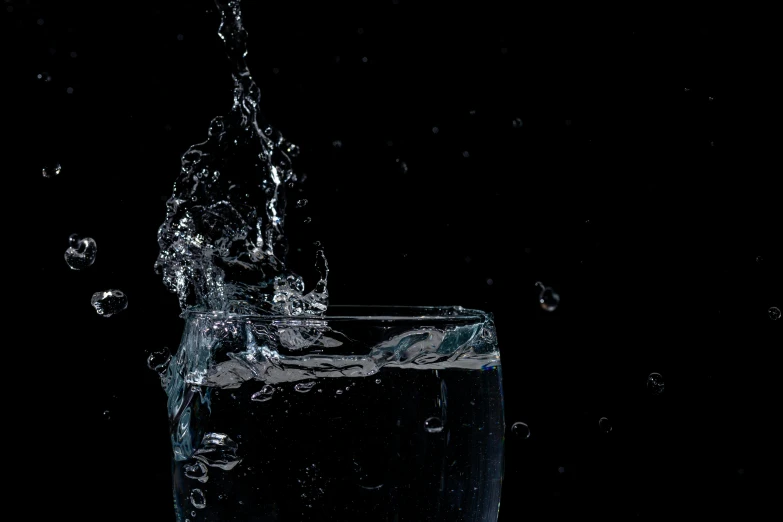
604,424
517,123
304,387
301,203
197,471
49,172
433,425
655,383
218,451
197,499
520,430
548,298
109,302
264,394
81,252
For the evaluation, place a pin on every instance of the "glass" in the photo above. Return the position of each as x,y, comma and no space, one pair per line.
383,413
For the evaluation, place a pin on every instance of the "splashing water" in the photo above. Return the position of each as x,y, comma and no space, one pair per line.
223,245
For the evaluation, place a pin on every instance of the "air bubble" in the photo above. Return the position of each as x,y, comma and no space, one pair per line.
50,172
81,252
301,203
604,425
109,302
264,394
548,298
197,499
197,471
433,425
304,387
655,383
159,361
520,430
307,219
517,123
774,313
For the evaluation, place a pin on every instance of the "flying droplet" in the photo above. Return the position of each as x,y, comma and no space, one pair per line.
264,394
197,471
774,313
50,172
759,259
197,499
403,166
337,144
159,361
307,219
304,387
301,203
109,302
465,154
107,414
520,430
81,252
604,424
655,383
433,425
339,392
517,123
377,381
548,298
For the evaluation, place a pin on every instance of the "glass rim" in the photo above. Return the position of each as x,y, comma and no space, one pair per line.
348,312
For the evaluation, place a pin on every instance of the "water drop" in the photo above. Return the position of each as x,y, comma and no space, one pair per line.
197,471
377,381
81,252
49,172
433,425
159,361
604,424
339,392
561,470
197,499
655,383
548,298
520,430
759,259
517,123
109,302
264,394
307,219
465,154
301,203
337,144
304,387
107,415
435,130
774,313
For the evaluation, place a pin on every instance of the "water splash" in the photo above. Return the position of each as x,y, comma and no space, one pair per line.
222,244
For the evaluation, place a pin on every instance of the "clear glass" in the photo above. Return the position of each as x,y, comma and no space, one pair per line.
365,413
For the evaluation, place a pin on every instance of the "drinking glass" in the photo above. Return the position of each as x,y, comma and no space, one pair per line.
365,413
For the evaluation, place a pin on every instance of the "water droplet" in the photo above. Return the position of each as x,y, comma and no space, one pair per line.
759,259
435,130
655,383
490,282
109,302
517,123
561,470
197,499
44,76
264,394
548,298
520,430
304,387
301,203
774,313
159,361
465,154
687,89
339,392
337,144
433,425
106,414
604,425
402,166
81,252
69,90
377,381
49,172
307,219
197,471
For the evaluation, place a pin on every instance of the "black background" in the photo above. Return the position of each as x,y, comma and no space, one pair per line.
640,186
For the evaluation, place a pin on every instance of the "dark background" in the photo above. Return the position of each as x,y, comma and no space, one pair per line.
640,186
